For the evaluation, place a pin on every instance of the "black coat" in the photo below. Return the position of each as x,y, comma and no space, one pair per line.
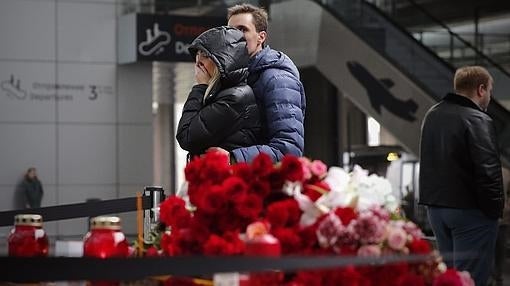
459,158
33,191
229,117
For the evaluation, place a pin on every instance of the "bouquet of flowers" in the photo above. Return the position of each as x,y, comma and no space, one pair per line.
297,207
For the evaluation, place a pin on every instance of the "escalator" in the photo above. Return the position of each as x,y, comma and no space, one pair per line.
377,64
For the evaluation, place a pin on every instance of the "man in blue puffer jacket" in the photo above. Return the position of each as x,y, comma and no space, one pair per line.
278,90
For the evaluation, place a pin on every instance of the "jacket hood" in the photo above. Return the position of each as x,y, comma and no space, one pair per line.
226,46
268,58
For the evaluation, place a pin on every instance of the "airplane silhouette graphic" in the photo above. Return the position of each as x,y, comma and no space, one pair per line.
380,95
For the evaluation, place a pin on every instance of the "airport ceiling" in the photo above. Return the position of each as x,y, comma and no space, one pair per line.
452,12
457,14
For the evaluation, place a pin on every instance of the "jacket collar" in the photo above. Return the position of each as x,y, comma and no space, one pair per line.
461,100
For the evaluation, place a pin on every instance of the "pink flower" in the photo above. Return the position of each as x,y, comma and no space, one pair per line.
413,230
347,236
329,230
380,212
256,229
369,250
397,238
318,168
465,278
369,228
305,163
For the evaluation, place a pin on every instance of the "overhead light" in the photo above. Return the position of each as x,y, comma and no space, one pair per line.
155,107
392,156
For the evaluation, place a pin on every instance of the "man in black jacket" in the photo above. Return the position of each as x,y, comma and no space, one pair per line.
460,173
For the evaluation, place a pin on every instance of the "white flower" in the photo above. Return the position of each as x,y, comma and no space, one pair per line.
337,179
338,196
311,212
292,188
358,190
373,190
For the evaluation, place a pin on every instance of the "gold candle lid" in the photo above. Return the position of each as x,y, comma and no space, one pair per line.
28,219
105,222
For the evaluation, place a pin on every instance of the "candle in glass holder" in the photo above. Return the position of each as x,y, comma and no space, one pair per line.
28,238
105,238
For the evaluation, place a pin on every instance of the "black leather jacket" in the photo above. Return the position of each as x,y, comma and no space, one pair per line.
229,117
459,158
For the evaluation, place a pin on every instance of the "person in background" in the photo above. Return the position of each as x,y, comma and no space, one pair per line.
460,174
32,189
277,87
220,110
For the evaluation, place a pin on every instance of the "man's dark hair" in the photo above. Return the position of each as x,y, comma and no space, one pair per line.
259,15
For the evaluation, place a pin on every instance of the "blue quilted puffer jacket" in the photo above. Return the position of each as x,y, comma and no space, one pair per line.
281,99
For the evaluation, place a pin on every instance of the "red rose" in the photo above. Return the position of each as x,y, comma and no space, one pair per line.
202,221
348,277
235,189
270,278
236,245
173,212
294,211
410,279
230,221
388,274
168,245
419,246
347,250
193,169
187,242
215,245
309,237
214,200
307,278
216,167
243,171
284,213
291,169
180,281
262,165
277,214
220,159
346,214
196,192
249,207
275,179
261,188
229,244
151,252
449,278
289,240
180,242
316,190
